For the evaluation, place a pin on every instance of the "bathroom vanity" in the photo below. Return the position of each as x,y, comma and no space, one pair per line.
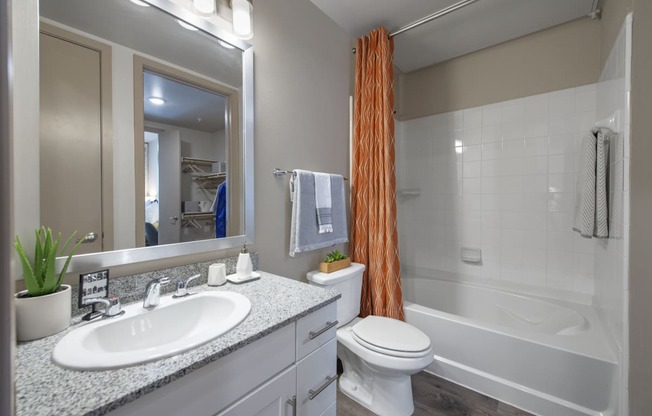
281,360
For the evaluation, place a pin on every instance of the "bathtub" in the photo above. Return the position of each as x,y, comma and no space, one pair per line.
547,357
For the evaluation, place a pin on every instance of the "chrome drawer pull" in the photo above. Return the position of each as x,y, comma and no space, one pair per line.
314,393
293,402
328,326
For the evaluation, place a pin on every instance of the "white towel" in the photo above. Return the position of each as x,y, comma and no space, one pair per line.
591,208
323,202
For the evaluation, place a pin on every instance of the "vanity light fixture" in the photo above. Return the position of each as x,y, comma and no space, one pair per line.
156,100
139,3
242,25
204,6
186,25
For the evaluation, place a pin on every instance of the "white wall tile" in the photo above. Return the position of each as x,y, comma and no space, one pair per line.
472,118
513,149
502,177
560,202
562,102
492,151
561,182
513,166
492,115
535,165
535,183
471,136
491,168
472,169
491,134
536,146
561,163
491,184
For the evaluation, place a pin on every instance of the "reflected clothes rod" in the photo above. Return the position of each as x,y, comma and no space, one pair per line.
278,173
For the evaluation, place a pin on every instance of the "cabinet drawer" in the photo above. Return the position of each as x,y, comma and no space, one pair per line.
316,329
271,399
317,380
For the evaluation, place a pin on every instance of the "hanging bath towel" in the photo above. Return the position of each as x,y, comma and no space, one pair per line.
304,226
591,216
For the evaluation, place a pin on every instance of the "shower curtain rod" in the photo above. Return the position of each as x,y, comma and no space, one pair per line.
431,17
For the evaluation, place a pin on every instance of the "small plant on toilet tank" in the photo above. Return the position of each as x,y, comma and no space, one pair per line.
335,260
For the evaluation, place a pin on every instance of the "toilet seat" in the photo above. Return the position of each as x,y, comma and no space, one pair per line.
390,337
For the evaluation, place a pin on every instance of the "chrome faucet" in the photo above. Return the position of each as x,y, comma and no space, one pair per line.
112,307
153,292
182,286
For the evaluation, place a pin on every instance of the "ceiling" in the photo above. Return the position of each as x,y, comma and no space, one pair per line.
474,27
185,105
153,33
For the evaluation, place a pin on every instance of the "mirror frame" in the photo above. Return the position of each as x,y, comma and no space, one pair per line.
85,262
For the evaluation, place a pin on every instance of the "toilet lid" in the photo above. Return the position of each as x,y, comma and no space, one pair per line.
390,336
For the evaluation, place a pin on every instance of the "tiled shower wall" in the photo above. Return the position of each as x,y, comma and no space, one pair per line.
500,178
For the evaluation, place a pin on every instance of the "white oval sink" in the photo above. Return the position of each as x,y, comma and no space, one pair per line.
140,335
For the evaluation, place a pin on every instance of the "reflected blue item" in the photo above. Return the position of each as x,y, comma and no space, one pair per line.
151,235
220,211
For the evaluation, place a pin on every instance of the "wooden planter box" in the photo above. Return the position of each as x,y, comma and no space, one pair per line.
334,266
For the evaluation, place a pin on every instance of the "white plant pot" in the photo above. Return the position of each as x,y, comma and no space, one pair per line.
42,316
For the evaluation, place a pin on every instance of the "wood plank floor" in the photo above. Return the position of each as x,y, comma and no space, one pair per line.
434,396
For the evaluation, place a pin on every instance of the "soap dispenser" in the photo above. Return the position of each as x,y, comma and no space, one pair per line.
244,267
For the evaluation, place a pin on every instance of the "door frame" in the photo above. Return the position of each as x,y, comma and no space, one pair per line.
106,115
233,140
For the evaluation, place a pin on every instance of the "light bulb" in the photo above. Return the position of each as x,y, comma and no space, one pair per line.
156,100
204,6
139,3
242,18
186,25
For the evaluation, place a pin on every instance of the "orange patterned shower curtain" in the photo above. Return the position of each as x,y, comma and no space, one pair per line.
374,235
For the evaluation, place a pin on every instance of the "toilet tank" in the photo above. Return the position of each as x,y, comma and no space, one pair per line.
346,281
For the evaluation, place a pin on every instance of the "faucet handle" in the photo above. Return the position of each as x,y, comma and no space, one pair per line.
182,286
162,280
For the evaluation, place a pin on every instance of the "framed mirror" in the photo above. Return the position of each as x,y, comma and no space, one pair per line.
146,130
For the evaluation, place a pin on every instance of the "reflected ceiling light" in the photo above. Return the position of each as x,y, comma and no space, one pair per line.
156,100
225,45
186,25
204,6
242,25
139,3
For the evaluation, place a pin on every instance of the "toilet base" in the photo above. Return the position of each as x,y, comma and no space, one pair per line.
383,394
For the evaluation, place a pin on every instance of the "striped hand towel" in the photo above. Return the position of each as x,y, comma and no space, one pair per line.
323,202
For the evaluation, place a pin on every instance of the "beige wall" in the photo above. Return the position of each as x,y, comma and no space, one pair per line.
640,283
303,78
613,16
565,56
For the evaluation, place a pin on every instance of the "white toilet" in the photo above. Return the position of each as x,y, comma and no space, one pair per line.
378,354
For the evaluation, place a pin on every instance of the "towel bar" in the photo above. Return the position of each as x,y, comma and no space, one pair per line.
278,173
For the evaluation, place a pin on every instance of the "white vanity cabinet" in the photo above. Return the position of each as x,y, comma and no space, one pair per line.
290,372
316,361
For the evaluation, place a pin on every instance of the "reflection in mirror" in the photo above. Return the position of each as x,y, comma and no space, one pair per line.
97,122
188,136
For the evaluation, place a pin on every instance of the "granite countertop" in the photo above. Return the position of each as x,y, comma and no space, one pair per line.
43,388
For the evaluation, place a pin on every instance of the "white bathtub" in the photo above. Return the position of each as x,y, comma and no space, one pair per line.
550,358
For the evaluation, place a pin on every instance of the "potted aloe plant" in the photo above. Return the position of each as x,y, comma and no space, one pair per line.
44,308
335,260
